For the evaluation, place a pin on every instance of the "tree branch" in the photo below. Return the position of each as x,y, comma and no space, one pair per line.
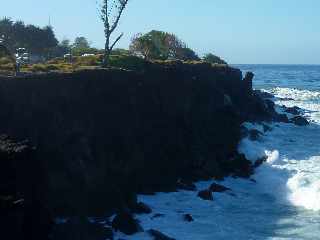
122,7
115,42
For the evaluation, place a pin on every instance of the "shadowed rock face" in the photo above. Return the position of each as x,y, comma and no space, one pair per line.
22,212
104,135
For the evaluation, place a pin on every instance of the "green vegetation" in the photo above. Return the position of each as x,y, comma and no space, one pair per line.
40,41
210,58
158,45
50,55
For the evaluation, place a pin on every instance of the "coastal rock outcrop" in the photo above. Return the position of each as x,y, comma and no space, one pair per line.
157,235
126,223
23,212
214,187
102,136
206,195
299,120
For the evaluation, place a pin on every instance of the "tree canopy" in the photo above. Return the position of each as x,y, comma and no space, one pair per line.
161,45
35,39
211,58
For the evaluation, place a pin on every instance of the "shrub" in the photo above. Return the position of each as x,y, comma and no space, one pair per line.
127,62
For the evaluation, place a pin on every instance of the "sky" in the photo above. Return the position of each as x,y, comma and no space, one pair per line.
240,31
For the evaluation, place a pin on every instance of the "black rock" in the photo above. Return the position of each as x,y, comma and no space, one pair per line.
281,118
141,208
218,188
300,121
264,95
254,134
239,166
157,215
293,110
266,128
125,223
81,229
159,235
206,195
188,218
185,185
259,162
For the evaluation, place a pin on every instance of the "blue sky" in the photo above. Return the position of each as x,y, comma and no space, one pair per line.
240,31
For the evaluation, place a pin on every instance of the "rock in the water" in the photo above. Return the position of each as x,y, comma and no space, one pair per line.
300,121
266,128
259,162
141,208
125,223
239,166
254,134
159,235
188,218
186,185
281,118
264,95
206,195
218,188
293,110
157,215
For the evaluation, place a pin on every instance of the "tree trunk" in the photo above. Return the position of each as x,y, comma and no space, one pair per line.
105,62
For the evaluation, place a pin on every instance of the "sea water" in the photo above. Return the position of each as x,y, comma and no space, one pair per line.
282,200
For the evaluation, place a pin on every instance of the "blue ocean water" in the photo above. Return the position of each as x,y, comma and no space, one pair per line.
284,76
283,200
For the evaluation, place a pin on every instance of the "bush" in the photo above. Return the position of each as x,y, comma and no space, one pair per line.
213,59
6,67
47,67
5,60
95,60
127,62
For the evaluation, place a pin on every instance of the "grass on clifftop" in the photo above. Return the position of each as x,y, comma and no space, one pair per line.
128,62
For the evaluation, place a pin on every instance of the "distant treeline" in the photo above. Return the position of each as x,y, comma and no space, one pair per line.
40,41
154,45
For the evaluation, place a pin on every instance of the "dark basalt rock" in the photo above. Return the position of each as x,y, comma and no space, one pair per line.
239,166
218,188
126,223
23,213
248,81
157,215
81,229
266,128
159,235
264,95
104,135
293,110
281,118
259,162
186,185
206,195
300,121
141,208
188,218
254,134
286,99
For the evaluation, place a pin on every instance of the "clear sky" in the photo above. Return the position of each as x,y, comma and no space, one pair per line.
240,31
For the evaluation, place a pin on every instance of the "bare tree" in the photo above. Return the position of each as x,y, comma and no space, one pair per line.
111,12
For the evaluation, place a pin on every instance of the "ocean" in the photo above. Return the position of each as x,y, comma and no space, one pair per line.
282,200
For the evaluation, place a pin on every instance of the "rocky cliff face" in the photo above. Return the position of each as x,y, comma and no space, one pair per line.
103,135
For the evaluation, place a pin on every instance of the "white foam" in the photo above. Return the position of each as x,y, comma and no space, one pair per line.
296,94
276,207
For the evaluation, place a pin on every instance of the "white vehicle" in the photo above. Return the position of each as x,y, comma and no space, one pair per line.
87,55
68,55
